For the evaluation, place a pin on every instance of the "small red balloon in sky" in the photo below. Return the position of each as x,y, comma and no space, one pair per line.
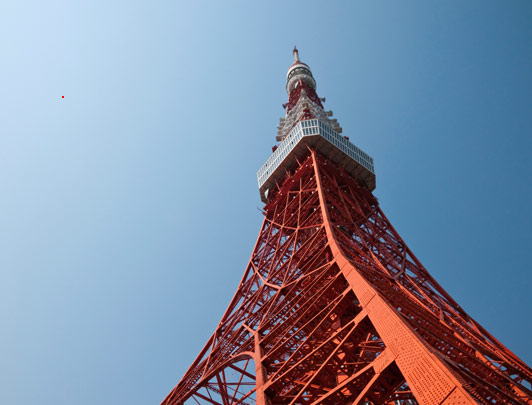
62,96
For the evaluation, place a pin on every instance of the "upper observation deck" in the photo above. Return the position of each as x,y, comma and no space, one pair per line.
319,135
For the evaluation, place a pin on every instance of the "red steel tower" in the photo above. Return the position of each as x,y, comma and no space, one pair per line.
333,307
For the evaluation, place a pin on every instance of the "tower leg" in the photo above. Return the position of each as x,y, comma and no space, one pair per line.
430,381
260,374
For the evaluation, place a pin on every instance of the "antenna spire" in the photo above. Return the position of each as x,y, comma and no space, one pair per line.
296,55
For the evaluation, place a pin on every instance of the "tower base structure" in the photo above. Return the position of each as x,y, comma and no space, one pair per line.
334,308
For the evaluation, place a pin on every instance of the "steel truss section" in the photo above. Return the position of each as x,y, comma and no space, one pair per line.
334,308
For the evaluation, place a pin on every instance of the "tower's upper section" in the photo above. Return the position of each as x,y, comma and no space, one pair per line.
299,71
303,101
307,124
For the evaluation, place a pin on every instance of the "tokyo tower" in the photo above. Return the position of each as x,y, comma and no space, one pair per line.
333,307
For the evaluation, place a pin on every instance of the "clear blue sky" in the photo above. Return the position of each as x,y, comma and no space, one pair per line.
128,209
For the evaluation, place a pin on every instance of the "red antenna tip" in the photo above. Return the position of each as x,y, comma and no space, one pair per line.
296,55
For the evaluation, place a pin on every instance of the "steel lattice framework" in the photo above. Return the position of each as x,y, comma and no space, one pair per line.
334,308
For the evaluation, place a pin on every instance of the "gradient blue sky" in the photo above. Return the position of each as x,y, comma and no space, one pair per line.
128,209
